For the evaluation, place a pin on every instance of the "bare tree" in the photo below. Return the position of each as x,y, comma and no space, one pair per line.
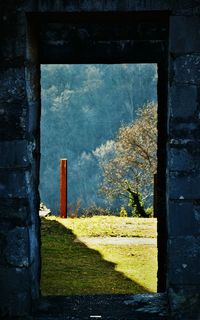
129,172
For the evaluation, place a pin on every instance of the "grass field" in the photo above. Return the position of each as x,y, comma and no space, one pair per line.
70,267
110,226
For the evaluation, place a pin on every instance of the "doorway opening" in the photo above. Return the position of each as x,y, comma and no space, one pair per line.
103,119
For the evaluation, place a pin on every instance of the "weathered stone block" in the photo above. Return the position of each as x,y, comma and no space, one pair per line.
184,128
13,41
183,101
16,250
184,302
184,260
103,5
187,69
183,219
14,211
13,48
186,7
182,159
13,85
15,154
182,28
12,122
13,104
13,184
15,296
183,187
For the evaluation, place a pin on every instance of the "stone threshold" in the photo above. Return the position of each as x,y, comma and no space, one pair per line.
103,307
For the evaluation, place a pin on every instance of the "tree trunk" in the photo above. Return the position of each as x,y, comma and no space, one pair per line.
136,200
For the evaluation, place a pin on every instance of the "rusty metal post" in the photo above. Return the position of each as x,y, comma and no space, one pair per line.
155,195
63,188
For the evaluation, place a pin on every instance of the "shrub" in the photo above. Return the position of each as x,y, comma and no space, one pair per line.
96,211
123,212
149,212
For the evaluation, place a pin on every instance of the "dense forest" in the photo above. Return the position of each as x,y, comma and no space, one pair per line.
83,107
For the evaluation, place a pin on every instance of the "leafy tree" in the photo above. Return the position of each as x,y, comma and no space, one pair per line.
129,168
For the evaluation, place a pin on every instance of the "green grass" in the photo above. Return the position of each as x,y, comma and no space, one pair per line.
136,262
70,267
111,226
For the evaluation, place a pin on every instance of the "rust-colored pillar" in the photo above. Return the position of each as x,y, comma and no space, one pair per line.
63,188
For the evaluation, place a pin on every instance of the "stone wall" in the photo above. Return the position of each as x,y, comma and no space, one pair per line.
19,147
183,164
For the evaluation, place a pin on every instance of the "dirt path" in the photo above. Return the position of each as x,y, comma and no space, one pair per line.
116,240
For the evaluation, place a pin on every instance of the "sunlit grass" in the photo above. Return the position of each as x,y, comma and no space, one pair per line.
111,226
137,262
70,267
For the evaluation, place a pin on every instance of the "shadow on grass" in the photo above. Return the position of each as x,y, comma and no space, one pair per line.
69,267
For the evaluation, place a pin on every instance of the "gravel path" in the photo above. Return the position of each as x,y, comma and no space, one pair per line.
116,240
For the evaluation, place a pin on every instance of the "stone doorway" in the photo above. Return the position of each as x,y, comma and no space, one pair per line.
87,32
118,38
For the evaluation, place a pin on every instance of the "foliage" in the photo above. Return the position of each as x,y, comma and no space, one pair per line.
110,226
95,211
136,204
69,267
149,212
123,212
130,168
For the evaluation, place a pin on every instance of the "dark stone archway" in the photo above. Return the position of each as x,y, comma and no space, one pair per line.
164,32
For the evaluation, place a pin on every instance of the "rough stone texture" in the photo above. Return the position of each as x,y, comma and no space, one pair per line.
184,128
15,297
147,41
14,210
184,159
184,218
87,40
98,5
186,7
13,47
109,307
16,249
13,184
13,106
184,166
17,151
12,114
184,186
185,28
185,298
13,86
184,260
183,101
187,69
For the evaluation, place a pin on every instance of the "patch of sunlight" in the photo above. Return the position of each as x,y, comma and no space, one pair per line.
113,226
